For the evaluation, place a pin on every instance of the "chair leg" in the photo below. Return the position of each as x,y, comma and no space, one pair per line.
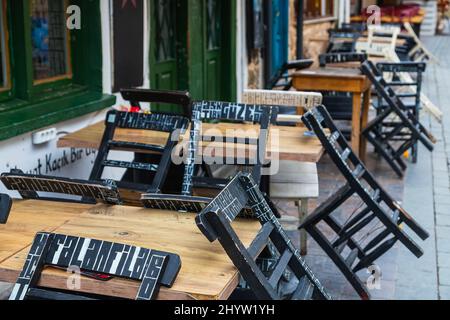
302,214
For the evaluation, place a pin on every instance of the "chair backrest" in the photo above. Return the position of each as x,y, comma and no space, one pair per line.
215,223
361,181
305,100
179,98
342,40
283,78
394,70
396,105
150,267
232,112
171,124
56,189
388,34
334,58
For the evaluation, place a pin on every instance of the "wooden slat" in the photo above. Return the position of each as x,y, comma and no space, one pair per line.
206,273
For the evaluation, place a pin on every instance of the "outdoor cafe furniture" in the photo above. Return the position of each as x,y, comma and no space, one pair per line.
404,133
341,80
360,237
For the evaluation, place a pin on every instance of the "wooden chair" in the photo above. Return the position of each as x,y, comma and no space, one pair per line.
47,188
150,267
295,181
233,112
151,164
215,223
373,228
412,130
409,92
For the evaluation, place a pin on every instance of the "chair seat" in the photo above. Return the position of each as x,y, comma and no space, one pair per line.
295,180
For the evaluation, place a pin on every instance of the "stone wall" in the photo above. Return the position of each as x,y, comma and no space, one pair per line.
315,39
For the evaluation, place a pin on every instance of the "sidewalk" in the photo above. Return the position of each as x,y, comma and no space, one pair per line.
427,191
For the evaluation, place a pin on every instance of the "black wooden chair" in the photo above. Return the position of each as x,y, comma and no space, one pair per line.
158,167
408,92
215,223
283,78
230,112
342,40
151,165
179,99
384,138
150,267
48,188
373,228
340,104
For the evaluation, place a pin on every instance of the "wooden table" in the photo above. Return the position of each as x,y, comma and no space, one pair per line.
341,80
294,143
206,272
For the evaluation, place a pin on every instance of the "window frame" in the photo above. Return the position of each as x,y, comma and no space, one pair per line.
6,91
320,17
30,105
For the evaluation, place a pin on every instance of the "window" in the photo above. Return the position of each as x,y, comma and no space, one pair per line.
57,72
50,40
4,50
318,9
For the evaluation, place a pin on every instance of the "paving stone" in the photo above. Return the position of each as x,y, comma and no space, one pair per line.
444,292
5,290
443,260
443,220
444,276
443,245
442,191
442,208
442,199
443,232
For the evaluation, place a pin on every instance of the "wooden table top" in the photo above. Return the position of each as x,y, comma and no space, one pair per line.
206,271
331,79
291,143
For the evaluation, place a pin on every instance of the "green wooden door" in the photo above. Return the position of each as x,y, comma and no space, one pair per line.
212,56
168,46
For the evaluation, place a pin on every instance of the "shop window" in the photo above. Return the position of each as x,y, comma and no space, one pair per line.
50,40
315,9
4,50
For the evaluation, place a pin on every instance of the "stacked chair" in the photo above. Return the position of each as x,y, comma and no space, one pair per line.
342,40
158,269
409,92
392,140
370,231
215,223
231,112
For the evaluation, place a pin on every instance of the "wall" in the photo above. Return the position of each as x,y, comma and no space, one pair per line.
315,39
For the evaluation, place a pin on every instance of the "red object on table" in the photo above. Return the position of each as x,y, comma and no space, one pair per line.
135,109
401,11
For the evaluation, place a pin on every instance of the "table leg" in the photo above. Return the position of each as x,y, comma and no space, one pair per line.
364,121
356,123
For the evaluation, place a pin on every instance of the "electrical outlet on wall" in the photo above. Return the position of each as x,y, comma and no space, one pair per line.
44,136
